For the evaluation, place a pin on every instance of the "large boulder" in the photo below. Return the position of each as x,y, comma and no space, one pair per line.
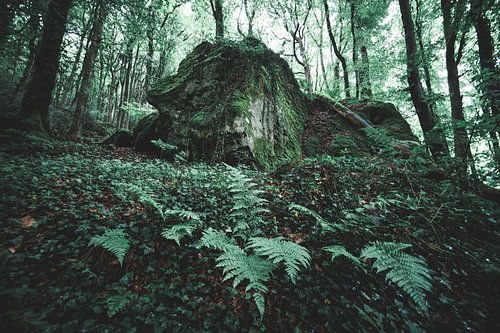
236,102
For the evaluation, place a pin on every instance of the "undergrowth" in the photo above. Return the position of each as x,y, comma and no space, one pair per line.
97,239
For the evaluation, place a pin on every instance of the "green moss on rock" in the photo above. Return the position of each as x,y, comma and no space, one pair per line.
236,102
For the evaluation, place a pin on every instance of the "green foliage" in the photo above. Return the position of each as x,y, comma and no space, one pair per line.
339,250
408,272
166,147
325,226
248,205
117,302
115,241
236,264
280,250
311,146
218,240
179,231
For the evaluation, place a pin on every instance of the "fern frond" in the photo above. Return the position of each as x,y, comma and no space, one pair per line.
113,240
117,303
280,250
218,240
408,272
326,226
184,214
339,250
248,206
237,265
240,267
179,231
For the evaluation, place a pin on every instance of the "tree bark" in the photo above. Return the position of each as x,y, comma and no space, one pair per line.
33,23
354,27
435,141
338,54
37,98
87,72
7,8
364,75
457,110
490,75
218,13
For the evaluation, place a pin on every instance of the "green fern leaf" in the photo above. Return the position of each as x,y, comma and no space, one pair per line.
179,231
218,240
408,272
280,250
240,267
339,250
117,303
326,226
113,240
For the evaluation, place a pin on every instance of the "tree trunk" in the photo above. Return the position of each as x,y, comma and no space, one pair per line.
70,81
151,50
34,27
339,56
364,75
87,72
37,98
7,8
250,14
490,75
457,111
218,13
354,27
435,141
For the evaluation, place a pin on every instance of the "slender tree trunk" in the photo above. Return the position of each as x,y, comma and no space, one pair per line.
70,81
435,141
364,75
36,99
336,76
457,110
7,8
34,29
339,56
87,72
151,50
490,75
218,13
250,14
354,23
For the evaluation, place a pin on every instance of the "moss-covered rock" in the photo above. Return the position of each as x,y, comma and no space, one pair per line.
236,102
386,116
121,138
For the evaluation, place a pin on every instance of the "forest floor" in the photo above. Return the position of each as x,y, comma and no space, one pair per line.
57,196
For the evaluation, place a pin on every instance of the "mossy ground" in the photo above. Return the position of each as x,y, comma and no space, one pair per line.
57,195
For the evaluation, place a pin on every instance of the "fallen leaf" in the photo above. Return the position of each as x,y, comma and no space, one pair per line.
27,221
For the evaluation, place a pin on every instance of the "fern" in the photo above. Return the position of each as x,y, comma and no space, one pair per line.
280,250
248,205
240,267
408,272
339,250
184,214
325,226
218,240
118,302
179,231
113,240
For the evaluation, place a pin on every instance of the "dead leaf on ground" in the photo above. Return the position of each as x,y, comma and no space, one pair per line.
27,221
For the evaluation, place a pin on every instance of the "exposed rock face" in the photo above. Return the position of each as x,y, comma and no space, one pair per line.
386,116
121,138
231,102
